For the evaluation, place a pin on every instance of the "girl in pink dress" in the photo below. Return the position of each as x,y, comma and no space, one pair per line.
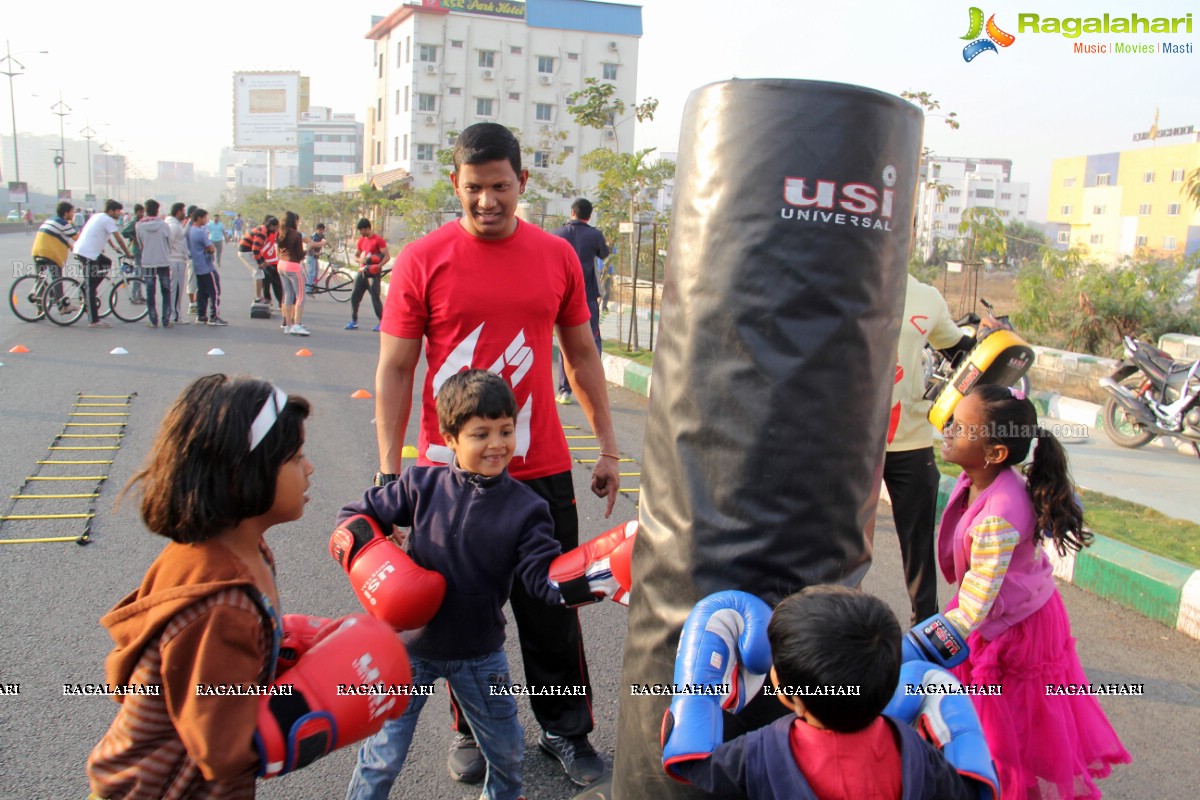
1046,742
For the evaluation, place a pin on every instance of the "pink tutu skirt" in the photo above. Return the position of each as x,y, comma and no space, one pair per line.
1052,747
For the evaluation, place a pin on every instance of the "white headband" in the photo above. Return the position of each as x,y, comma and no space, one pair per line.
266,416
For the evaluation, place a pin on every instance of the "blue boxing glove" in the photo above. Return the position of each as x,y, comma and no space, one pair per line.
930,700
723,646
935,640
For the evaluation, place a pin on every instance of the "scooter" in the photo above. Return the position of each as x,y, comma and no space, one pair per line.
1152,395
999,356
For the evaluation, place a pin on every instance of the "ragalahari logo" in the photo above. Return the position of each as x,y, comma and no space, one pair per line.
995,36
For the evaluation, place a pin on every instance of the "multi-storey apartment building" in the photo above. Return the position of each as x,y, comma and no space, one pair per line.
965,183
1118,203
444,65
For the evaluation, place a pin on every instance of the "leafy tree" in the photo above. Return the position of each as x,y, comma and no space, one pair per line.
1191,187
1024,243
1070,302
596,106
985,236
423,210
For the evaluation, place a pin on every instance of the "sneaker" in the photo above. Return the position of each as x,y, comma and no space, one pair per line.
465,763
353,326
192,309
298,330
376,329
151,324
563,398
168,324
217,321
576,755
200,322
100,324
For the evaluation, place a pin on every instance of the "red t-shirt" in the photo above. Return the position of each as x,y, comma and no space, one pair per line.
490,304
371,245
863,765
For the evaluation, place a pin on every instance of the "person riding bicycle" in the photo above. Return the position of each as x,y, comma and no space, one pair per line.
53,243
97,233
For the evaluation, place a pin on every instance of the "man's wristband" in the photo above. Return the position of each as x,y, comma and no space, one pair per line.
609,455
384,478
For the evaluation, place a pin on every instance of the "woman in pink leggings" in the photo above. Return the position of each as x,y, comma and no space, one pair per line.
291,271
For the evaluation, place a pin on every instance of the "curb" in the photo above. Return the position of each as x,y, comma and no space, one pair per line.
1155,587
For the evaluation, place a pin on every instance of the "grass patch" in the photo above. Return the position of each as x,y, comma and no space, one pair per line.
1142,527
1127,522
643,357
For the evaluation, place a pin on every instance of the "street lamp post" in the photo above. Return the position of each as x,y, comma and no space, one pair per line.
88,134
106,149
61,110
9,64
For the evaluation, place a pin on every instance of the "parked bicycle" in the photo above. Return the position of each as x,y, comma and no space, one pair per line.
114,293
334,281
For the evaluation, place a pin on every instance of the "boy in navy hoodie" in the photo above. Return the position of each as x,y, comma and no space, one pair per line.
835,664
479,528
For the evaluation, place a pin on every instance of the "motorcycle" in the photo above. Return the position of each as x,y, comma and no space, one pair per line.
1152,395
999,355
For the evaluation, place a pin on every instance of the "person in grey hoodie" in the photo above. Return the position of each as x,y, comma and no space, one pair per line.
154,238
178,254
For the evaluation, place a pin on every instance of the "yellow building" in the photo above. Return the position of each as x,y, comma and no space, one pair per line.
1117,203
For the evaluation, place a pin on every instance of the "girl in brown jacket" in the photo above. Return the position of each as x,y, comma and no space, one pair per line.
228,464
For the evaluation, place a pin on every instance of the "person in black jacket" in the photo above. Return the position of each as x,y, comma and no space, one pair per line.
589,245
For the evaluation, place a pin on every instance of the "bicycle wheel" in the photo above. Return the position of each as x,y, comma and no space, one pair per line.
70,306
25,297
340,284
120,302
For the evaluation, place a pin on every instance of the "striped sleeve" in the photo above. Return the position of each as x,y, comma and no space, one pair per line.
993,541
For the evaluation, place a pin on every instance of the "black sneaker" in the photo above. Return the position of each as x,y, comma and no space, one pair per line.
465,763
576,755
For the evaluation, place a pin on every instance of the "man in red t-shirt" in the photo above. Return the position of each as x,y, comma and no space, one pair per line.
489,291
371,253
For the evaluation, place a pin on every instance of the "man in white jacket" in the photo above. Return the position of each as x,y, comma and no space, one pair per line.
178,254
909,471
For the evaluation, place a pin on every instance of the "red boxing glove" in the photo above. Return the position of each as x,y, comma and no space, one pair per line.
389,584
300,633
341,691
597,569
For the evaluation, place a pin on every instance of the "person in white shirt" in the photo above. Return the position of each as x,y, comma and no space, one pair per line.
97,233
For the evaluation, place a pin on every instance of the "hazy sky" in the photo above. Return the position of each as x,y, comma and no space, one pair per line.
158,81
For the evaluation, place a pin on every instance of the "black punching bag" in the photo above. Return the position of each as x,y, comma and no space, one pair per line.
792,221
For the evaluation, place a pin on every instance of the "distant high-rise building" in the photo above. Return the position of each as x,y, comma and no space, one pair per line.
438,69
331,147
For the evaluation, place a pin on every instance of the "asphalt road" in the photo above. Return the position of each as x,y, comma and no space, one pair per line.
55,593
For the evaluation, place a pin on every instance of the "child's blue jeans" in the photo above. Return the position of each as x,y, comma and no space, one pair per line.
493,719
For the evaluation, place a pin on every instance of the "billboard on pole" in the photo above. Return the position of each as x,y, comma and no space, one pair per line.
266,107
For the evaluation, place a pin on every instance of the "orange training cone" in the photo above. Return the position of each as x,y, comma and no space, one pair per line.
304,351
19,349
361,394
